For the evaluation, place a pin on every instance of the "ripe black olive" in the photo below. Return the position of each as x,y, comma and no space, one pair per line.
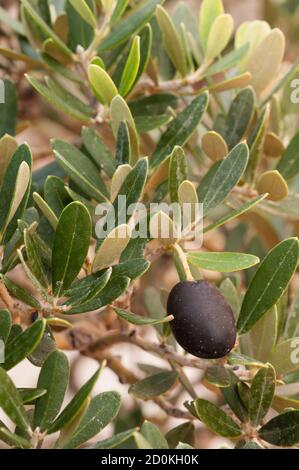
203,322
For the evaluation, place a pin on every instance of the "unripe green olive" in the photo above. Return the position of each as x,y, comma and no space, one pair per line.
203,321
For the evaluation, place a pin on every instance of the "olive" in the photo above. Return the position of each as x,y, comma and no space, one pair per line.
203,321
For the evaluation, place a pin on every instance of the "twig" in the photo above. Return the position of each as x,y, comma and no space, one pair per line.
72,339
127,376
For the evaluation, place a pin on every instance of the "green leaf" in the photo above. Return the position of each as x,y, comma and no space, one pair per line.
235,213
261,394
292,322
91,292
74,406
184,432
111,247
241,359
219,36
79,32
44,11
177,172
119,10
42,291
153,435
288,166
114,289
231,294
285,356
98,151
132,188
280,403
216,419
243,391
15,331
20,293
80,169
115,441
15,25
287,209
228,61
101,83
120,112
239,117
30,395
11,402
22,345
123,150
34,260
84,11
102,410
180,129
22,186
68,98
56,195
132,268
146,39
53,377
55,100
12,202
256,143
146,124
130,25
5,324
263,335
269,283
131,68
226,176
138,320
209,12
46,210
155,104
45,29
171,40
222,262
8,146
233,398
207,180
8,108
13,440
71,243
153,385
44,348
39,176
218,375
141,442
247,445
282,430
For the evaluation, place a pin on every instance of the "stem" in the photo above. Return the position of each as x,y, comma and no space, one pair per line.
126,376
181,263
81,339
99,35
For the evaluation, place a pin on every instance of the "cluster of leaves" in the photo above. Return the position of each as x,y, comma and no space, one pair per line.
189,100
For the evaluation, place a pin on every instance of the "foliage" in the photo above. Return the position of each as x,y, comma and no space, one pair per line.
170,109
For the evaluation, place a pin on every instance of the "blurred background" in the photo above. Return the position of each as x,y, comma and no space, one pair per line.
281,13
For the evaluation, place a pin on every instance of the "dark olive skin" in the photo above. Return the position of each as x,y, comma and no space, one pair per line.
203,322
